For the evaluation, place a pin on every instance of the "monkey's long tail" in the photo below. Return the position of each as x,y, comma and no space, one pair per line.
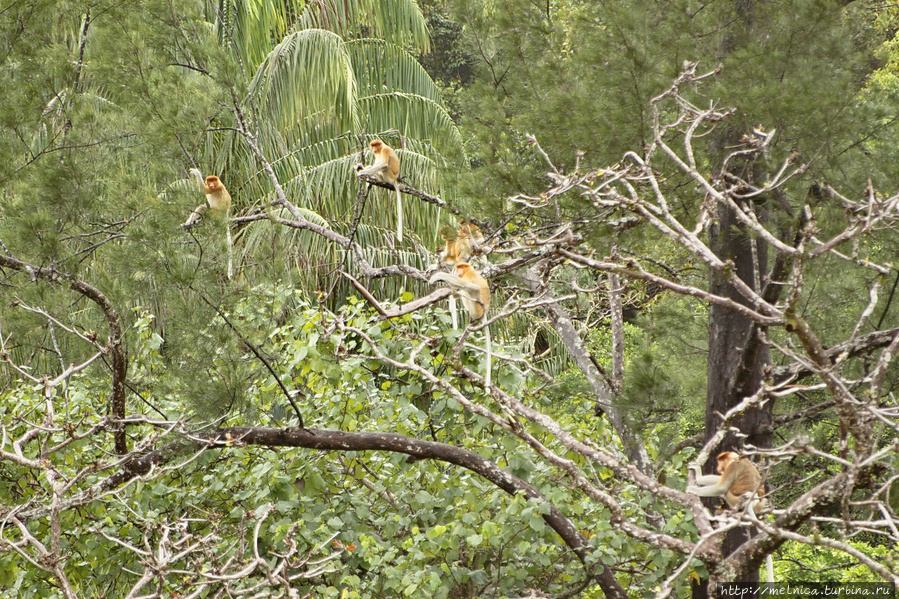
769,565
454,312
230,251
487,375
399,215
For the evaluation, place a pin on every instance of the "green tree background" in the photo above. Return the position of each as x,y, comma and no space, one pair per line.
232,453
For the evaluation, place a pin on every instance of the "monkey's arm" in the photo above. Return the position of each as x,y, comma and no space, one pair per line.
200,210
198,176
374,170
712,486
196,215
457,283
710,491
706,480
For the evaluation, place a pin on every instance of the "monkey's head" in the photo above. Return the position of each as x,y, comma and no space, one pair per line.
463,268
724,460
212,183
376,145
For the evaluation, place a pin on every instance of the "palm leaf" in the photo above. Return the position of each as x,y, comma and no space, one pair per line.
382,67
307,78
312,94
399,21
415,116
248,27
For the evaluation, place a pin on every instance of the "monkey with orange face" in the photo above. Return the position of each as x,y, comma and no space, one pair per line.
474,291
739,481
738,477
471,288
458,247
219,201
459,243
386,168
217,197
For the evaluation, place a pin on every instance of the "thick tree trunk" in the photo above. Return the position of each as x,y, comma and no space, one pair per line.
737,355
737,358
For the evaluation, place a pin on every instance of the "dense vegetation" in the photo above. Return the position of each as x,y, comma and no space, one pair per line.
689,215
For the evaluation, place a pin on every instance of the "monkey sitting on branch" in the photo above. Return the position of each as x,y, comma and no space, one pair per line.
739,481
219,201
474,291
386,168
458,247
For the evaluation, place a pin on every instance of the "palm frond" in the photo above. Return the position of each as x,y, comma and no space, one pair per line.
332,185
413,115
308,78
322,151
313,93
276,247
398,21
248,27
382,67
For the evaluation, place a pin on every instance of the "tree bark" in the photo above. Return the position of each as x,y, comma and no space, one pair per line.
633,445
737,354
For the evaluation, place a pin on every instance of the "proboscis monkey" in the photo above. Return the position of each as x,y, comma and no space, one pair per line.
739,481
386,168
738,477
219,201
474,292
458,244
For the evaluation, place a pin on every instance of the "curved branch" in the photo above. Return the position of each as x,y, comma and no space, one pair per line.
334,440
403,188
861,345
118,362
581,356
772,316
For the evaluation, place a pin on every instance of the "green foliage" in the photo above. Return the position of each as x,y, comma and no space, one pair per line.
799,562
593,68
415,527
315,99
95,140
281,82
